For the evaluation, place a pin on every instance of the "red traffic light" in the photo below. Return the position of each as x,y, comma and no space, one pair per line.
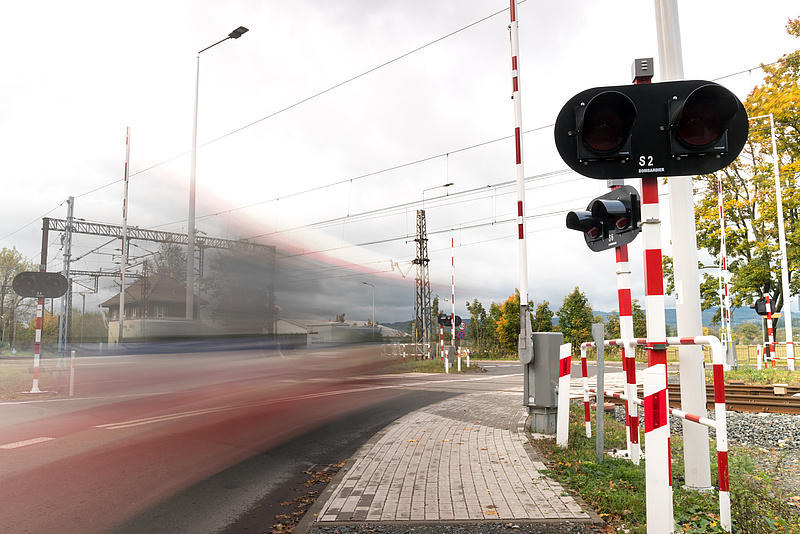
610,220
583,221
605,124
24,283
615,211
701,120
681,128
760,306
40,284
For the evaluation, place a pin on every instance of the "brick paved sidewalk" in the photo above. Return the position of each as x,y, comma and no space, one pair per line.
463,459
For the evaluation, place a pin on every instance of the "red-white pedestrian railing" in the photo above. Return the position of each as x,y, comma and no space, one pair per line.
404,349
656,404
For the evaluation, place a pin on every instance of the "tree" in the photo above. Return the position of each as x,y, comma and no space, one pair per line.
13,309
170,261
612,327
480,328
88,327
749,196
26,335
506,319
508,324
748,334
575,319
543,318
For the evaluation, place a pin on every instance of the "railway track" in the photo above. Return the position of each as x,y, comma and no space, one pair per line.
747,398
741,398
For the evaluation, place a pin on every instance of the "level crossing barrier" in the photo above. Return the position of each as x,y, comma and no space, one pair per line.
655,405
407,349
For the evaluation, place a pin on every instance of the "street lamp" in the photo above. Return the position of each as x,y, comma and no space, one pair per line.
373,308
235,34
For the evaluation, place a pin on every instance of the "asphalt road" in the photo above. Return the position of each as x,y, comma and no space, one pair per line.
199,443
286,479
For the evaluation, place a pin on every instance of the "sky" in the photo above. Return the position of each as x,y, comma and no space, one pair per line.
325,127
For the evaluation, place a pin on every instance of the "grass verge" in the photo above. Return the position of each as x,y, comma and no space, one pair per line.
751,375
16,377
434,365
615,488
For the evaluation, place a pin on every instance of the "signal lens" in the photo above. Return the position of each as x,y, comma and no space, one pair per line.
700,124
26,283
53,286
704,117
607,122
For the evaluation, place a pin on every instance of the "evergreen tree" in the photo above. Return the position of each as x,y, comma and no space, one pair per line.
575,319
543,318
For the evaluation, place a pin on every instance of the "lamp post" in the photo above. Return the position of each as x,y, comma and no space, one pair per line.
235,34
787,310
373,308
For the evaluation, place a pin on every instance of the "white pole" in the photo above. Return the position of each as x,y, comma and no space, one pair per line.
562,417
124,256
72,374
190,233
453,294
687,274
787,303
525,336
192,187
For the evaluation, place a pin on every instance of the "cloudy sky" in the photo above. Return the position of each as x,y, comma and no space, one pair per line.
324,128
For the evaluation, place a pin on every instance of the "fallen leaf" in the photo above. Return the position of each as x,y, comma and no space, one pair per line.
413,440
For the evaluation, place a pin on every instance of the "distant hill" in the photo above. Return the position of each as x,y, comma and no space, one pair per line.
738,317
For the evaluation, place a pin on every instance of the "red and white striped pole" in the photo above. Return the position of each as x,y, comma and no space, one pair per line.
628,352
37,344
720,415
124,255
770,334
720,422
587,415
564,371
658,465
526,336
441,343
723,271
656,442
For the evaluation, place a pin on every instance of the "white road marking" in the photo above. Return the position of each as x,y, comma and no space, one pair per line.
25,443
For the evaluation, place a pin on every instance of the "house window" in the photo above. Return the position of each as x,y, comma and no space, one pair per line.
160,311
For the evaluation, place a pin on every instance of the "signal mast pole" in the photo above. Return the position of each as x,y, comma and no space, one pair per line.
687,275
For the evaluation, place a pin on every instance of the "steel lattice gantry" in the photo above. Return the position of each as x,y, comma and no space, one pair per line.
158,236
423,328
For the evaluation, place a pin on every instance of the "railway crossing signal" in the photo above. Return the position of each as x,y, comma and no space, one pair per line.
40,284
760,306
679,128
445,320
610,220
